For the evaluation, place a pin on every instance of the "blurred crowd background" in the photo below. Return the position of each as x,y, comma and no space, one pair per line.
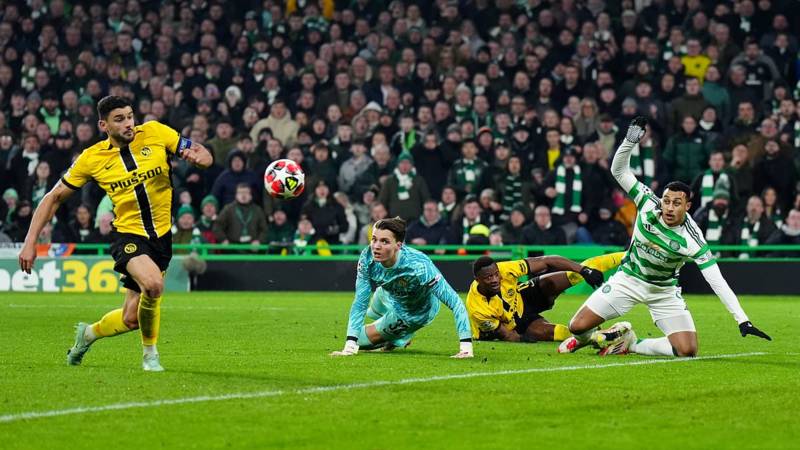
478,121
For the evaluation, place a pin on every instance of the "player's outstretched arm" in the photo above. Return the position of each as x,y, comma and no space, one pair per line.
198,155
714,277
555,263
621,164
358,310
447,295
44,213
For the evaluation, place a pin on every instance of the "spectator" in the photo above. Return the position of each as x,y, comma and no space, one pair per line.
19,221
605,230
404,192
325,214
514,190
742,171
39,184
354,172
512,229
280,233
471,215
208,216
347,237
776,170
716,94
226,185
755,228
595,174
79,230
685,153
542,231
565,188
430,228
24,163
772,207
704,184
224,140
280,123
241,221
716,219
432,163
787,234
184,230
691,104
448,204
468,174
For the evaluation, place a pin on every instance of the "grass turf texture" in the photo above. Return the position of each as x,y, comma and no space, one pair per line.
226,343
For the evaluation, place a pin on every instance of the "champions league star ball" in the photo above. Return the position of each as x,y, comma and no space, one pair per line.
284,179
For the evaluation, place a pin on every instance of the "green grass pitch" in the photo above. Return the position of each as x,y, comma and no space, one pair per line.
251,370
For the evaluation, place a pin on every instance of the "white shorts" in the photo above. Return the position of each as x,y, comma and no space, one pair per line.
622,292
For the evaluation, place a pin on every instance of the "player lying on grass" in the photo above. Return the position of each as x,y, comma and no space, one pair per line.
664,238
406,289
502,308
133,167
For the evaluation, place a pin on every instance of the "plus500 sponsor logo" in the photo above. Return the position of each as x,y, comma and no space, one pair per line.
136,178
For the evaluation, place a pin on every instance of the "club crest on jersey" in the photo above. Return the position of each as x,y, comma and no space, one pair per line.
674,245
606,289
129,248
146,152
510,293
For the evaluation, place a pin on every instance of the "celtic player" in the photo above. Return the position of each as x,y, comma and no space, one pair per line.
664,238
407,290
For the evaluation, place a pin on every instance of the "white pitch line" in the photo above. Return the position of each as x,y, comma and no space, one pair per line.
16,417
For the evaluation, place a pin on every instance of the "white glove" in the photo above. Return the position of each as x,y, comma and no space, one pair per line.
350,349
636,130
465,351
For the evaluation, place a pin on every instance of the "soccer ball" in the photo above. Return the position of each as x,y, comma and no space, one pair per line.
284,179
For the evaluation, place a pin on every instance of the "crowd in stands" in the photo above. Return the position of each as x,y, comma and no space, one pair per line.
477,121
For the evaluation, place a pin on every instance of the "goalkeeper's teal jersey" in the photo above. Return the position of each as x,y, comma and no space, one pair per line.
414,288
657,251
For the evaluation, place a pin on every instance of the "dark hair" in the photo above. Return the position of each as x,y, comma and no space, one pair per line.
680,186
110,103
480,263
394,224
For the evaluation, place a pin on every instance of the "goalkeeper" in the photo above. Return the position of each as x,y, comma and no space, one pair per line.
406,289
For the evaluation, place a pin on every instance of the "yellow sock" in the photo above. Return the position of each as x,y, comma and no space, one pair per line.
110,325
561,332
149,318
601,263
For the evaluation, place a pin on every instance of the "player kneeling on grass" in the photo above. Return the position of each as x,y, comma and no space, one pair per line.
501,308
664,238
406,289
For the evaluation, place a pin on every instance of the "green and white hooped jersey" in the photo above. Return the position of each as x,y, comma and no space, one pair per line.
657,252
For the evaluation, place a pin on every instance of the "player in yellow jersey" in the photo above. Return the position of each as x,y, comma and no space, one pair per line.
132,166
502,308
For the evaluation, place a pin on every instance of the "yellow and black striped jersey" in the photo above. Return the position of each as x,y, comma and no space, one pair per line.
136,177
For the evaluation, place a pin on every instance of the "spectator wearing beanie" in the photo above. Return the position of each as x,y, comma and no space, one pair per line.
184,230
404,192
208,215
